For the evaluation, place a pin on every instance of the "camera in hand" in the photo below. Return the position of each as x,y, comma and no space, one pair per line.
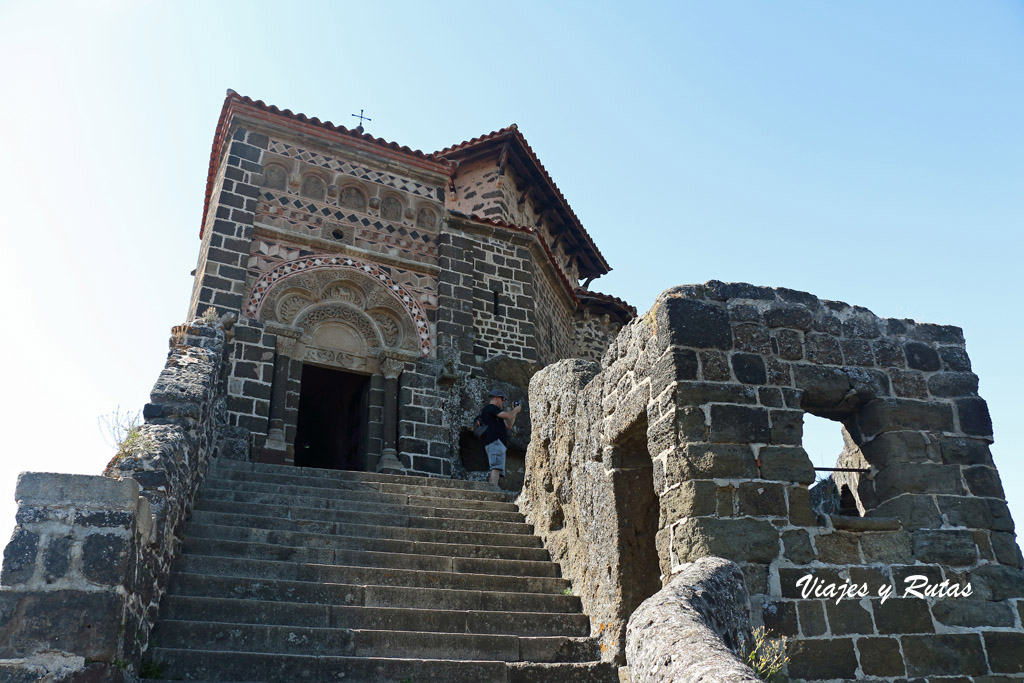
515,404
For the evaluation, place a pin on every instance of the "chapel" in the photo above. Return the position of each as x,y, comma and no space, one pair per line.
381,292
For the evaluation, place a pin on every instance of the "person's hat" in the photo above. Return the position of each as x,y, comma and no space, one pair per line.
497,392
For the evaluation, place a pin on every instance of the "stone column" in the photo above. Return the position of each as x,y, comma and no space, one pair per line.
276,448
391,368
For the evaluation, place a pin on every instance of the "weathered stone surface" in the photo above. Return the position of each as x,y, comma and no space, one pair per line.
105,559
976,513
749,368
739,424
779,617
822,659
714,366
743,539
787,427
1006,550
965,451
973,613
848,617
88,625
996,582
44,488
953,384
20,557
838,547
880,657
886,547
893,415
917,478
812,617
691,630
797,546
983,481
760,499
902,615
1005,652
954,547
921,356
698,324
752,338
708,461
689,499
786,464
913,511
940,654
974,417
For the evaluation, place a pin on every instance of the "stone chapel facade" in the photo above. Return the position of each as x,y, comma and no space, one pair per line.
380,291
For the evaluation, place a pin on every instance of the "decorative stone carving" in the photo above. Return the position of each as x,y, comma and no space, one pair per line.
374,202
391,368
275,176
313,319
426,219
289,306
313,187
391,209
389,328
353,198
320,356
344,292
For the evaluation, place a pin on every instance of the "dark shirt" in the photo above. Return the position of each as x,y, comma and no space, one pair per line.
496,429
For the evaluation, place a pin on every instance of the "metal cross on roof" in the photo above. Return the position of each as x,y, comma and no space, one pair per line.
361,119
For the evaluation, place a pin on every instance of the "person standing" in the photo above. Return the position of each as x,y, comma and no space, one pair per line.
498,421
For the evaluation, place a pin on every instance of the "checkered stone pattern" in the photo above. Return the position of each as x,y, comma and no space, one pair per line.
355,170
318,219
321,261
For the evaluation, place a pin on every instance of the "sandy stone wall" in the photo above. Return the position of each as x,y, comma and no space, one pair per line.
686,443
91,555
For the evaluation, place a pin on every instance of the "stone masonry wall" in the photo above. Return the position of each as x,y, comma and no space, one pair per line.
706,395
91,555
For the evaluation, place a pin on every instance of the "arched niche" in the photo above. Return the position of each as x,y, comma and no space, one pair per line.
346,312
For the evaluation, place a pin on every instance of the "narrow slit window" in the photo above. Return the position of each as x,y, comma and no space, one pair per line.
496,299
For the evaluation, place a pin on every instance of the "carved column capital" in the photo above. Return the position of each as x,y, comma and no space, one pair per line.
391,368
287,346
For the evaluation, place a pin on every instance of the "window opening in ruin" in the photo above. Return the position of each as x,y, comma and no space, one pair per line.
633,486
332,419
837,461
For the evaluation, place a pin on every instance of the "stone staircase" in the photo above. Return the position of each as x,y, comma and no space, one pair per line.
294,574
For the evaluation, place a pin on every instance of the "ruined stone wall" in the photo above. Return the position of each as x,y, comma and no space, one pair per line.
591,335
91,555
705,395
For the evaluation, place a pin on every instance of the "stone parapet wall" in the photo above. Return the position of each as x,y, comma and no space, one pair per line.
705,395
91,555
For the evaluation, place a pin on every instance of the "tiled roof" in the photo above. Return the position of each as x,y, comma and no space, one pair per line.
614,301
512,132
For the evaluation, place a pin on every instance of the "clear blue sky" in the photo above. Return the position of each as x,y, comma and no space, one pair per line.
871,152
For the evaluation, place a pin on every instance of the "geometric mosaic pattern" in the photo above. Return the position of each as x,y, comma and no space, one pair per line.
300,212
308,263
354,170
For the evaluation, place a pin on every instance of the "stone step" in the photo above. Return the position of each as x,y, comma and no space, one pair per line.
472,489
371,552
195,608
355,490
260,580
294,560
359,502
292,511
232,637
234,666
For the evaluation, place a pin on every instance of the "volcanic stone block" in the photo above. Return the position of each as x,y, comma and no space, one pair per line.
797,546
974,417
888,353
895,414
20,557
903,615
789,576
965,451
913,511
822,659
1004,545
789,344
788,315
739,424
779,373
824,388
714,366
839,547
953,384
709,461
939,654
812,617
976,513
697,393
689,499
770,397
857,352
908,383
917,478
762,499
787,427
698,324
886,547
88,625
945,546
800,511
749,368
997,582
786,464
779,617
921,356
740,540
57,558
893,449
880,657
823,349
955,358
752,338
1005,652
972,613
983,481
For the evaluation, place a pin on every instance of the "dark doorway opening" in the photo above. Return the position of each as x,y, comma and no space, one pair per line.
332,419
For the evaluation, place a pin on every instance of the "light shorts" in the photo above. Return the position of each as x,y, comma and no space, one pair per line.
496,455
